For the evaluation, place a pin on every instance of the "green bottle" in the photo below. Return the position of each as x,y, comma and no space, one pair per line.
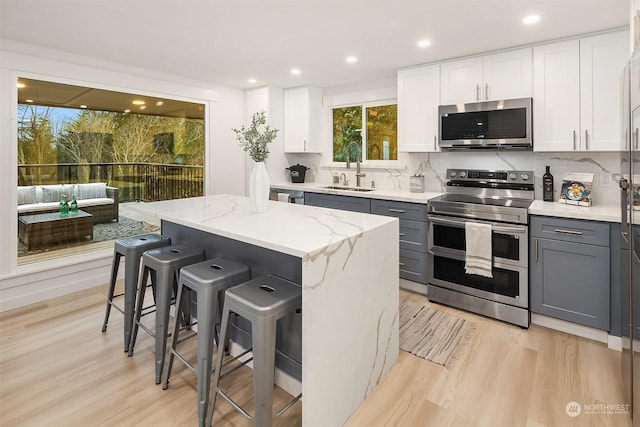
74,206
64,206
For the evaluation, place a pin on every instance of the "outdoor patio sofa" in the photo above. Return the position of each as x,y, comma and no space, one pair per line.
97,199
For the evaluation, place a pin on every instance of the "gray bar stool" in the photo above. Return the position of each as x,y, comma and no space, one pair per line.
131,248
165,264
209,279
262,301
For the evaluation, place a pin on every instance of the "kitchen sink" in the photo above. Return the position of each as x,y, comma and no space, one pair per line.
340,187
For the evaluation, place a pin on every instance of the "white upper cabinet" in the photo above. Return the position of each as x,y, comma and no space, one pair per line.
302,117
503,75
418,100
576,93
556,96
602,59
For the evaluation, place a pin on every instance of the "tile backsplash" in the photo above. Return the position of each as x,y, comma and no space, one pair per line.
604,166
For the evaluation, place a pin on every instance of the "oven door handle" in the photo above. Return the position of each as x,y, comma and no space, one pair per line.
460,223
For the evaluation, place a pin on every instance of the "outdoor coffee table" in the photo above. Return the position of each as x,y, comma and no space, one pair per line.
51,228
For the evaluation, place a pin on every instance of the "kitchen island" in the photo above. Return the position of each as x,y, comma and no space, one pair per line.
347,265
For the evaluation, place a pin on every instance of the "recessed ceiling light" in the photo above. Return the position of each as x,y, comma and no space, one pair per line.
252,81
159,103
28,101
21,85
530,19
424,43
352,59
295,71
142,107
137,102
83,106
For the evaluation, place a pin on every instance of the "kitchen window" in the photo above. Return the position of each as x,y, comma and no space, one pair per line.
374,127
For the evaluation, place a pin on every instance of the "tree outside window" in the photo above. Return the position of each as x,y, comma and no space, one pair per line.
374,128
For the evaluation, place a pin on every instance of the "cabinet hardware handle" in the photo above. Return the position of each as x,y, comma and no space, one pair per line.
536,250
435,142
574,139
636,139
586,139
401,234
626,139
396,210
401,264
486,91
478,92
305,145
572,232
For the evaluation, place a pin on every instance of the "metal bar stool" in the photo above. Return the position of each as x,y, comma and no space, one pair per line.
209,279
131,248
166,263
262,301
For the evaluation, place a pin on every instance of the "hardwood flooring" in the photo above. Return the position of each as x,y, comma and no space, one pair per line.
58,369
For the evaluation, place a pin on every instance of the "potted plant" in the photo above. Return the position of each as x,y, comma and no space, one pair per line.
254,139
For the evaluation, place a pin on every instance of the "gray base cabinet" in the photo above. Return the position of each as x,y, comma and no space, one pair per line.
345,203
570,270
413,227
413,236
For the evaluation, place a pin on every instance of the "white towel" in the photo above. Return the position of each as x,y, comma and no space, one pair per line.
284,197
478,249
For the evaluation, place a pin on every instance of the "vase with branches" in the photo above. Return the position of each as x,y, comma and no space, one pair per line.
254,139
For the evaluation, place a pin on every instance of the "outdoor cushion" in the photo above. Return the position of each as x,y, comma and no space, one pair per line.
96,190
26,195
53,193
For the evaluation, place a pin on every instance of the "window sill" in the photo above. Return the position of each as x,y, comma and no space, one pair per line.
377,164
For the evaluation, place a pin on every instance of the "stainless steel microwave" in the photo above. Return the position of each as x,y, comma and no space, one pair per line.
502,124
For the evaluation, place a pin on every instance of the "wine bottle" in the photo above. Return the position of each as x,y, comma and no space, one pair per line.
74,205
64,206
547,186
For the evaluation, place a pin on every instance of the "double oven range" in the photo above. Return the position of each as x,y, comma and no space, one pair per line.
498,198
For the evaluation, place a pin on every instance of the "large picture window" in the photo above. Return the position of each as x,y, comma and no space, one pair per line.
105,150
373,127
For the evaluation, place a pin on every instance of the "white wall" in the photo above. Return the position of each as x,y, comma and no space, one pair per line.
224,109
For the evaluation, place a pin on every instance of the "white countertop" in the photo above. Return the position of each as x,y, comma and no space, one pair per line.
607,213
289,228
383,194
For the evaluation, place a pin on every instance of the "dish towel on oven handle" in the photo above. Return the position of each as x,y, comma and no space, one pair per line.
478,249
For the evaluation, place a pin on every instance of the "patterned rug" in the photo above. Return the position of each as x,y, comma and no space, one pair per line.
433,335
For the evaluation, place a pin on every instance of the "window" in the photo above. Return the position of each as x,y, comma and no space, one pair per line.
374,128
123,147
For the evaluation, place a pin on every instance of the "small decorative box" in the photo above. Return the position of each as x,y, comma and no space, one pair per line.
416,184
576,189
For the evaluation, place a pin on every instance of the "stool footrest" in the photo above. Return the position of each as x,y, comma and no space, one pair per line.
289,405
234,404
234,359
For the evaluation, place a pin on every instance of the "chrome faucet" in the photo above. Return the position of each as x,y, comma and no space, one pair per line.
358,160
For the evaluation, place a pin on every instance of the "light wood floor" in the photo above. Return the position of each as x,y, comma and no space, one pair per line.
58,369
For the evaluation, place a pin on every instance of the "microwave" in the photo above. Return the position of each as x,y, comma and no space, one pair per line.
504,124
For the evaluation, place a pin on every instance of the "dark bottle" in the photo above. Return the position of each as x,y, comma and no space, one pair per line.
547,186
64,206
74,205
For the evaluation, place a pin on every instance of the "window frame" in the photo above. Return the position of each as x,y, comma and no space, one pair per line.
364,131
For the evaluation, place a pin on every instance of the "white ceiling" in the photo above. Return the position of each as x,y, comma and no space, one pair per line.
228,42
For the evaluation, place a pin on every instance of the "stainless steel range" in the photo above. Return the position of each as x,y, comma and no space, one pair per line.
497,198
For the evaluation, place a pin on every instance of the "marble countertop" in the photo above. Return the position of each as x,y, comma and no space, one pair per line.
289,228
607,213
383,194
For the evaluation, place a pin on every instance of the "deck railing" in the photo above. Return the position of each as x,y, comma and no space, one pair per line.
147,182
